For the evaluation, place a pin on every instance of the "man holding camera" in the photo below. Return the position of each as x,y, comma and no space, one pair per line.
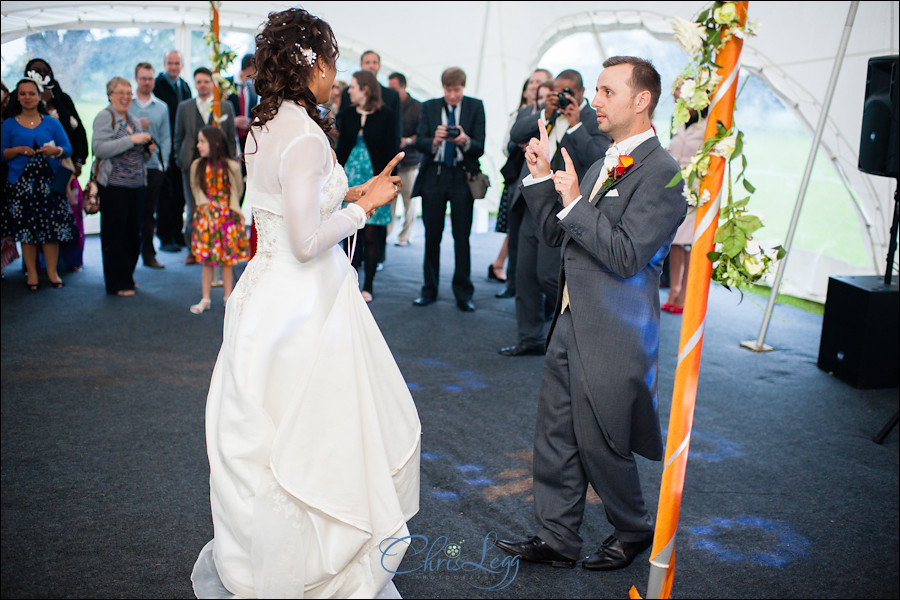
571,124
451,139
153,115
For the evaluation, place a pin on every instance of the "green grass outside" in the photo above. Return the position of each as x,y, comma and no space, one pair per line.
816,308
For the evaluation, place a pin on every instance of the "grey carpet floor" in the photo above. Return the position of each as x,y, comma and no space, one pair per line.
105,480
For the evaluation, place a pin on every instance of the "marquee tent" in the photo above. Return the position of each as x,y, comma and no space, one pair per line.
498,43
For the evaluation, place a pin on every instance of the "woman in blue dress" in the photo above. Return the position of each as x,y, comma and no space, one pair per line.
366,144
35,213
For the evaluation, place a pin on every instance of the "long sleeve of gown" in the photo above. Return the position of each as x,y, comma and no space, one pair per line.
305,166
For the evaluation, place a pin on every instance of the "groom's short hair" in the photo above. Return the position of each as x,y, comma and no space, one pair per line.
644,76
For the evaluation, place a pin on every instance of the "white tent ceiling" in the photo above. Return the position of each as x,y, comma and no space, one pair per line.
498,43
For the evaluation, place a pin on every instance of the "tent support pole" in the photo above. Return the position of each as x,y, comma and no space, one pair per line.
759,345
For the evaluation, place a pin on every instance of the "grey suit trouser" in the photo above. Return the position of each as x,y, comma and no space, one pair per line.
537,280
570,451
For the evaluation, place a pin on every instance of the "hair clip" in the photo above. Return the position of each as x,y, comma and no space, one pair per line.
306,57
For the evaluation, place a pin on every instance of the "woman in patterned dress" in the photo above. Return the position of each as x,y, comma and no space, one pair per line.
367,142
219,237
34,214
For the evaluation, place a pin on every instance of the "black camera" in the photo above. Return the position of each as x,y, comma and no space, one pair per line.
452,132
566,97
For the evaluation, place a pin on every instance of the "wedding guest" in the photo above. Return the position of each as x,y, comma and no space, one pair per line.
61,107
409,167
192,115
451,139
153,115
685,142
172,89
8,250
510,171
365,146
571,124
123,148
219,237
312,434
35,213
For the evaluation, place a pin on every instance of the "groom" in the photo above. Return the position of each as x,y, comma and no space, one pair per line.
598,401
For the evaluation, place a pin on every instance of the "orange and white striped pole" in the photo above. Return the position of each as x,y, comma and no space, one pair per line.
662,556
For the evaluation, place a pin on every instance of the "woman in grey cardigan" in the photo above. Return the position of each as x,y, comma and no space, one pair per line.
122,149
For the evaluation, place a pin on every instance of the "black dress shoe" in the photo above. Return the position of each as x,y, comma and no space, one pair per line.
465,305
154,264
536,550
615,554
522,350
507,293
424,301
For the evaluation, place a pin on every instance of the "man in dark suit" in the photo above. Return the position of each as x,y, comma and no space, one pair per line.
171,89
598,398
571,124
192,116
243,100
451,139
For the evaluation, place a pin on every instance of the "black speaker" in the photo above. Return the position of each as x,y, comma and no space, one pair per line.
879,143
860,338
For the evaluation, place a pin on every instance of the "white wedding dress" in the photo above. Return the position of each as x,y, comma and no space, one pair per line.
312,434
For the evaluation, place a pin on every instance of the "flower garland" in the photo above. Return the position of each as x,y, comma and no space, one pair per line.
220,56
737,260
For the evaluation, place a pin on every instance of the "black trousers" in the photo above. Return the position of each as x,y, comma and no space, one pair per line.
121,210
156,181
537,280
170,210
442,186
367,253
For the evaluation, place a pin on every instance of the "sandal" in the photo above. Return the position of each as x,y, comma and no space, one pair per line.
367,296
57,284
201,307
32,287
125,293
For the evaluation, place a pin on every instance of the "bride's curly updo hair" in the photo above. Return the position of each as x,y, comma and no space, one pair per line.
288,49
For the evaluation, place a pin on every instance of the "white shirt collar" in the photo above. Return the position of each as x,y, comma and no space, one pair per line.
628,145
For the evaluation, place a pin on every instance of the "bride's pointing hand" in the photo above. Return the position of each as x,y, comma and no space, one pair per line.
382,188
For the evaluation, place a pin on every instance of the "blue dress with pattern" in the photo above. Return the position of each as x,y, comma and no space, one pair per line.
359,170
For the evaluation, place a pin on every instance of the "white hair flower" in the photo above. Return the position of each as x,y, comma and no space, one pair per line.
39,81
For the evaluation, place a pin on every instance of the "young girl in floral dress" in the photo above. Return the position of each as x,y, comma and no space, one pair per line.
219,237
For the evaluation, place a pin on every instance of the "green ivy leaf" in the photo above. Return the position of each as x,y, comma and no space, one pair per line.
678,177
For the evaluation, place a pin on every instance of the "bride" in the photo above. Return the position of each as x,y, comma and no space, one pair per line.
312,435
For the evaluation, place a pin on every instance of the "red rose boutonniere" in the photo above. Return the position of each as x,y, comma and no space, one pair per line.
625,163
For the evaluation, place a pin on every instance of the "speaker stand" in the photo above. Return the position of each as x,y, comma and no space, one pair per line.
887,428
892,244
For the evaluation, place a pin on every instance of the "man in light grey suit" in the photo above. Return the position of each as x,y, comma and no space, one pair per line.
193,115
598,398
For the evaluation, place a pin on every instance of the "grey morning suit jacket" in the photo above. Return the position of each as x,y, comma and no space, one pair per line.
612,254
